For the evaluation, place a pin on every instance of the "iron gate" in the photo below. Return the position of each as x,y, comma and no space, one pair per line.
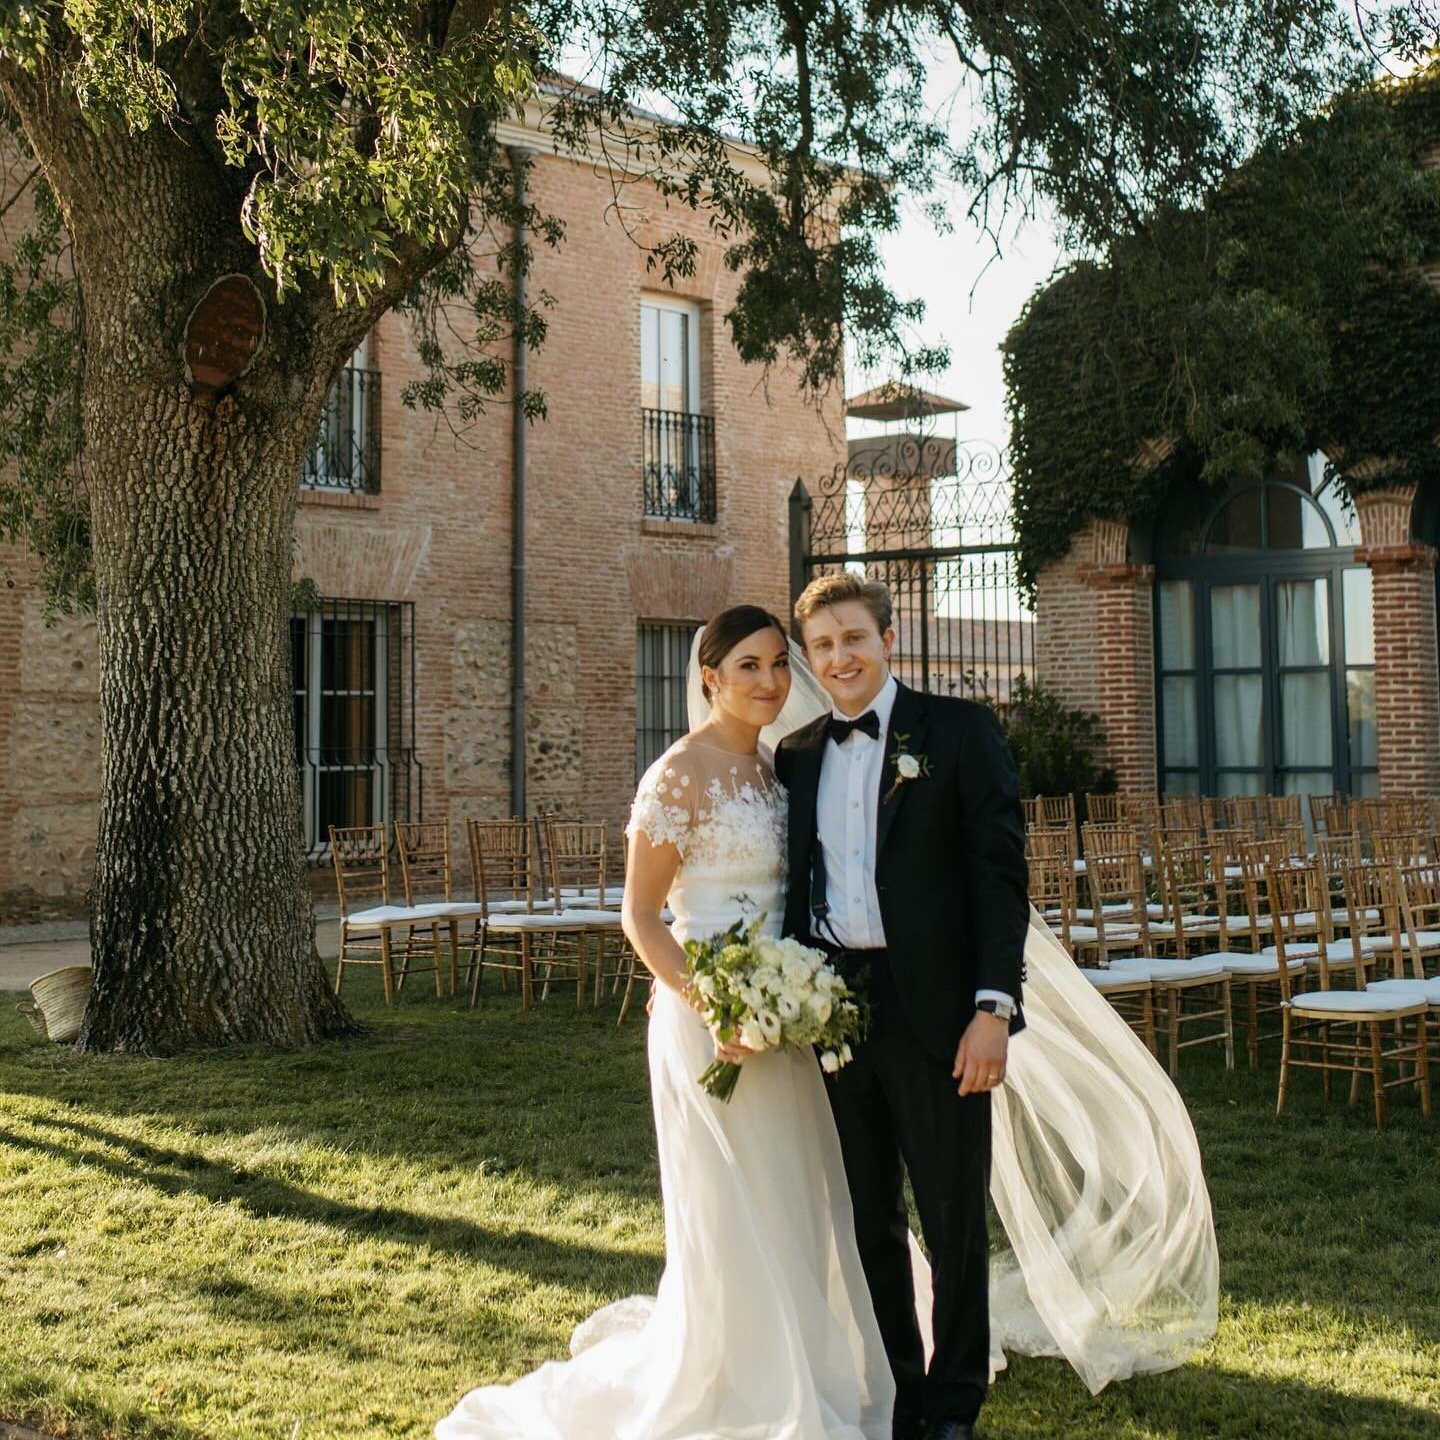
931,518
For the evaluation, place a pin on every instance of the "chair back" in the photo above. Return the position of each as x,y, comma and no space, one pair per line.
425,868
1190,891
1282,810
1244,812
577,851
1182,812
1401,848
1319,804
1299,903
1372,902
1103,809
1053,887
1418,896
502,862
1115,875
361,856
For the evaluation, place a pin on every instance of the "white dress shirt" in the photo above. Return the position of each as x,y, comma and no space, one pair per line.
847,817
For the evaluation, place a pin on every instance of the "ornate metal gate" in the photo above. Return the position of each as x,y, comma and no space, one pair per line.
931,518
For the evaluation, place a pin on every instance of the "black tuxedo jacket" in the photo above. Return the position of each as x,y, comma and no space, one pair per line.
950,860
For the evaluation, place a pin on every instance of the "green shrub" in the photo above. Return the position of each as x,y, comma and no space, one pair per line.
1056,747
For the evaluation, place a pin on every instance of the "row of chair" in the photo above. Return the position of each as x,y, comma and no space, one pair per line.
541,906
1346,938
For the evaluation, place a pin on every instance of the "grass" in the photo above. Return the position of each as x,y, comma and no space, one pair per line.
337,1244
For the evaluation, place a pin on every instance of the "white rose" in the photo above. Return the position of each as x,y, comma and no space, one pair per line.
766,978
826,981
769,1023
908,766
752,1036
820,1004
788,1007
829,1062
752,997
705,984
796,971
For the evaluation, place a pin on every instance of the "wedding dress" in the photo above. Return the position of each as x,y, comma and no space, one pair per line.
762,1328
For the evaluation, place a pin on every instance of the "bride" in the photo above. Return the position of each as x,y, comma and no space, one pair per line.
762,1328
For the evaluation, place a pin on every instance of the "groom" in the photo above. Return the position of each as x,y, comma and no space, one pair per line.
907,860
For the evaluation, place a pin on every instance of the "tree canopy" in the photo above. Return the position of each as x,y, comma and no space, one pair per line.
353,144
1294,311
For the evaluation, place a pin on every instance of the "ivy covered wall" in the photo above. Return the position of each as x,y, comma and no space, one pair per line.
1298,310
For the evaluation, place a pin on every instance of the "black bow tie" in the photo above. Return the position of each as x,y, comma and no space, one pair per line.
840,730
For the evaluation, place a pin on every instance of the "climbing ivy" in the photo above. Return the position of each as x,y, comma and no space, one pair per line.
1291,312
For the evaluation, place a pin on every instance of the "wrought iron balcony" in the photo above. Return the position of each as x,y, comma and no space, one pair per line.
346,452
679,465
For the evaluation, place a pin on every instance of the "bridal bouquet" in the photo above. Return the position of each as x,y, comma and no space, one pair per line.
768,994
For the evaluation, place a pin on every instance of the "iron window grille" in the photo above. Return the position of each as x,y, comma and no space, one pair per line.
353,673
679,465
662,653
345,455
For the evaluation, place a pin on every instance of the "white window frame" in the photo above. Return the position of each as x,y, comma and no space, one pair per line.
690,309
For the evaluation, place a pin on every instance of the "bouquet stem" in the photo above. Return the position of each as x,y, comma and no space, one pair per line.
720,1079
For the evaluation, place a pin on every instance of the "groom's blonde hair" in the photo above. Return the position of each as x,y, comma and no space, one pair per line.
827,590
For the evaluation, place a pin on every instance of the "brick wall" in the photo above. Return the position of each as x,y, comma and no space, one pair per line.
1094,644
1407,689
439,535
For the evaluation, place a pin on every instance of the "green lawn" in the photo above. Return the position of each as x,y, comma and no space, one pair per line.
339,1243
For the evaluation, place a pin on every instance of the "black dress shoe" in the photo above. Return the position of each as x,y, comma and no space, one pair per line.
952,1430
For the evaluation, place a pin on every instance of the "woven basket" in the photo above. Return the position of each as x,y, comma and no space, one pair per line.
60,998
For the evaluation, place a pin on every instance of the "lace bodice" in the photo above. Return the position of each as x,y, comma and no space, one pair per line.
725,814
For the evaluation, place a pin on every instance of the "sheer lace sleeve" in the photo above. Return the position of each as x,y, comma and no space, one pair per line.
667,802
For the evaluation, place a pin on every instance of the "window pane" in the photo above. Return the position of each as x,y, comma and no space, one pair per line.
650,357
1342,516
1360,703
1305,733
1177,625
1367,785
1295,521
1302,622
1238,711
1181,732
1181,782
1235,626
1237,526
1359,616
1238,783
674,360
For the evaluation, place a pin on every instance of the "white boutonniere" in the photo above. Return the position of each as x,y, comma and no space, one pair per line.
908,767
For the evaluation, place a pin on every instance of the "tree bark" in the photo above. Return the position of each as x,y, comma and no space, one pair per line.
201,917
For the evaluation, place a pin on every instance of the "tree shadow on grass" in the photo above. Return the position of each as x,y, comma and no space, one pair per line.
1043,1399
181,1172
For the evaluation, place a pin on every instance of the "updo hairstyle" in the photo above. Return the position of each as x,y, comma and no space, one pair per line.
727,630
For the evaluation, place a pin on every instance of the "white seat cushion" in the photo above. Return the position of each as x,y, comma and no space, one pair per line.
609,919
1427,990
1353,1002
1337,952
533,920
380,916
1257,964
1161,971
1104,980
449,909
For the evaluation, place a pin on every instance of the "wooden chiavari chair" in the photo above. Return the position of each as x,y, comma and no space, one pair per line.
1319,805
1141,809
1052,882
1115,879
1102,809
1244,812
578,852
520,927
361,857
1281,811
1399,848
427,874
1376,1029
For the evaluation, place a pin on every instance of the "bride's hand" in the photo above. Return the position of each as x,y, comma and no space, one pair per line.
730,1052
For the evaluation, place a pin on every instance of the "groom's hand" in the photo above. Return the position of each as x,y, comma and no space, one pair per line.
980,1060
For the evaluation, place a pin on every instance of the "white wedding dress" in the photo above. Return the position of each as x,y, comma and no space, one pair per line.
762,1328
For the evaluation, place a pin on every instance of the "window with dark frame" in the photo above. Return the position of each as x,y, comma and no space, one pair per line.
662,654
352,668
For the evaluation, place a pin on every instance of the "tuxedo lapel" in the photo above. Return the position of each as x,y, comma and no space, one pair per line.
907,718
808,747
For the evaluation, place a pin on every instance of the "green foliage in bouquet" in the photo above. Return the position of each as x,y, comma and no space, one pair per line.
770,994
1056,746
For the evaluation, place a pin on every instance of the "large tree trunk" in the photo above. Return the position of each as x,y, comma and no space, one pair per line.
201,920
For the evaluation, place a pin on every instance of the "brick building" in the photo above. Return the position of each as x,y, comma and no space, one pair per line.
1269,640
655,494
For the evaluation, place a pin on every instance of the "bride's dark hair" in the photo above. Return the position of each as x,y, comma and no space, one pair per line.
727,629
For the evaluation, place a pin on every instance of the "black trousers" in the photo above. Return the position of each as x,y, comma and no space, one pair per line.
898,1109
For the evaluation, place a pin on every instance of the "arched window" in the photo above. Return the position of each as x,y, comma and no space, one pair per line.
1264,645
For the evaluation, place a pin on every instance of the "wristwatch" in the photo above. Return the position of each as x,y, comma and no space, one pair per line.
1000,1009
